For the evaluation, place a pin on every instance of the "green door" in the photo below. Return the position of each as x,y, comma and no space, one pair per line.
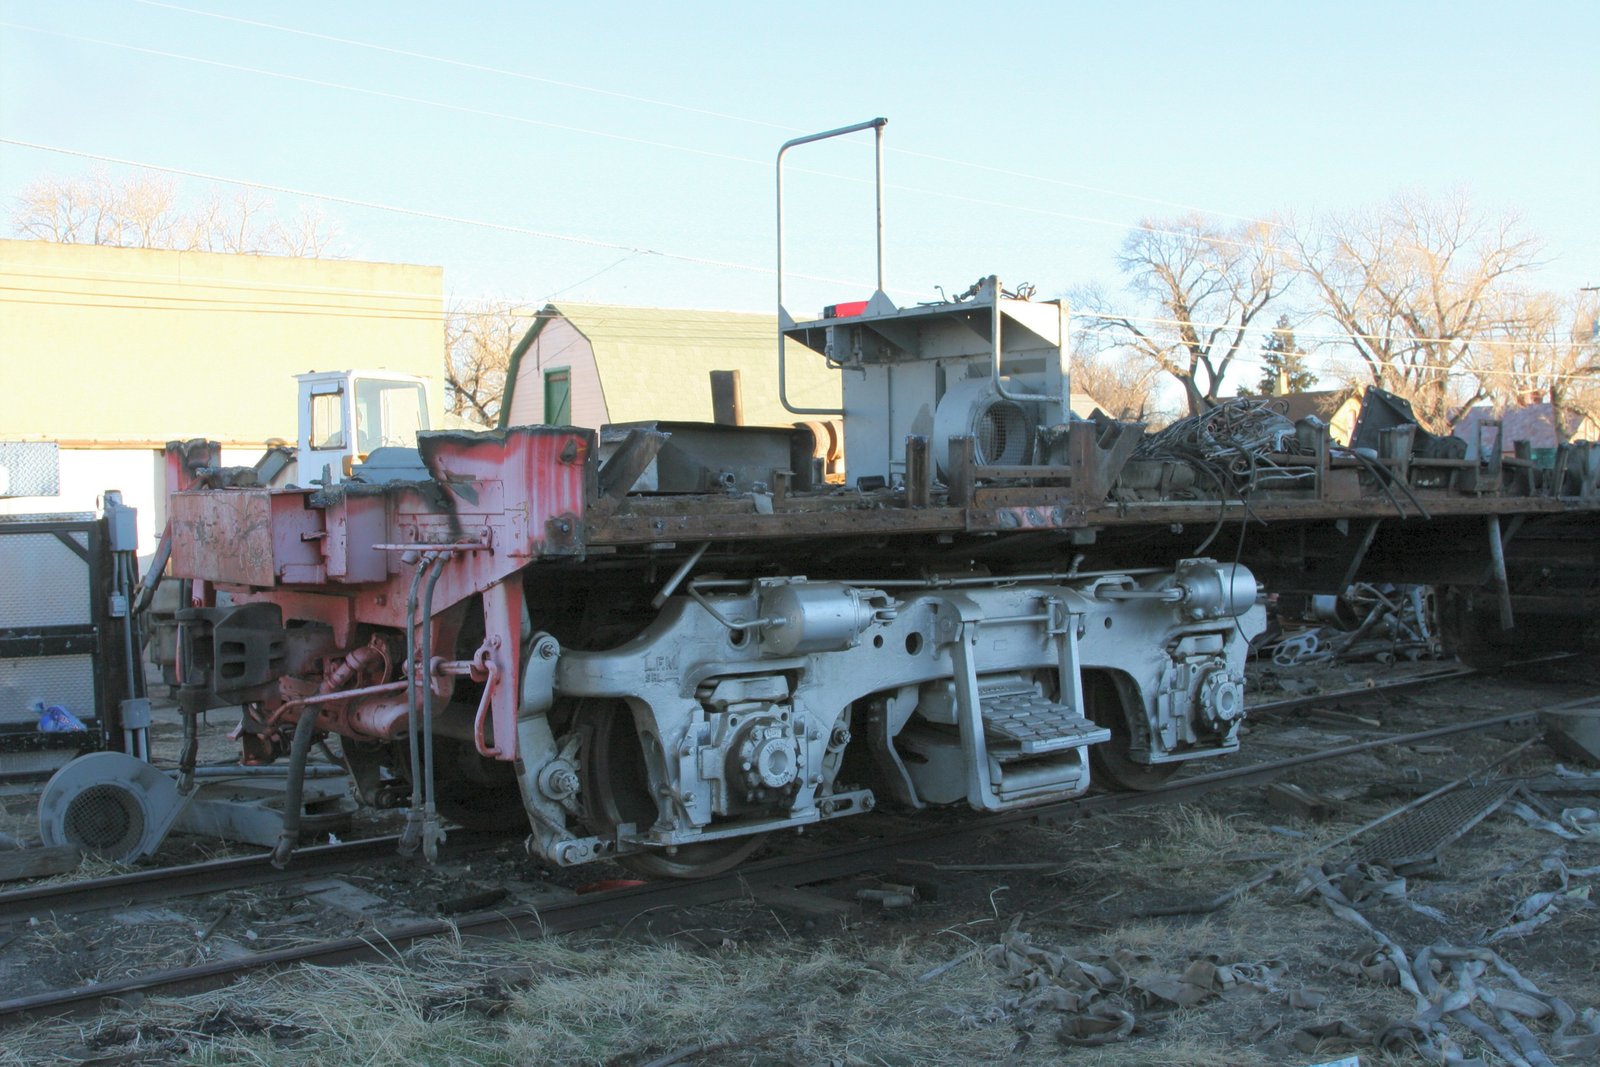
558,397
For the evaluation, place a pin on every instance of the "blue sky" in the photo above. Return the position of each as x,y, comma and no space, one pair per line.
1088,116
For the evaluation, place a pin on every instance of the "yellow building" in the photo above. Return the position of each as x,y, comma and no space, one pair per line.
111,352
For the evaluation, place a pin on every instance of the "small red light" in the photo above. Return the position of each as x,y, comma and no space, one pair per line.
845,311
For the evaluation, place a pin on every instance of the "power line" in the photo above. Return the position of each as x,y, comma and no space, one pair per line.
656,102
155,278
434,216
332,312
380,93
1209,239
146,302
467,65
437,312
690,109
1335,336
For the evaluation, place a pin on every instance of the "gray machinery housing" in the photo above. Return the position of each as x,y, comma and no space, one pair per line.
992,367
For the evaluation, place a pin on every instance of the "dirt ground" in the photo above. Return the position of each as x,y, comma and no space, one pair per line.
1039,944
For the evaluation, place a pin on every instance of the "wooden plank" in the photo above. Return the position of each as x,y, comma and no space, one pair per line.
38,862
804,902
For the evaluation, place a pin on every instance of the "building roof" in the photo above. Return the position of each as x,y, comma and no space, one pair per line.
134,347
1322,403
1534,423
654,363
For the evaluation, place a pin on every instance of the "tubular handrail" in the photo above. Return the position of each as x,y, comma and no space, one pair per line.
875,125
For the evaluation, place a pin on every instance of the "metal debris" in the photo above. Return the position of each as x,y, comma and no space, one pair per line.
1102,996
1449,981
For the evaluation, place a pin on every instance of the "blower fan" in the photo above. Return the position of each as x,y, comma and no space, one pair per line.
109,805
1003,429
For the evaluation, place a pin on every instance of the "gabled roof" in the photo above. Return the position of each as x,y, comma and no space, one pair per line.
1322,403
1534,423
655,363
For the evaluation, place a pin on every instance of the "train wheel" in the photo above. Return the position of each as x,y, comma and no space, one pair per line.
617,787
1109,762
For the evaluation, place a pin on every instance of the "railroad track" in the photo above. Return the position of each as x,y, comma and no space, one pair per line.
219,876
1334,696
621,905
246,872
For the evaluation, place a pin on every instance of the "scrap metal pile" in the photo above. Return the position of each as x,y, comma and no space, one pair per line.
1369,621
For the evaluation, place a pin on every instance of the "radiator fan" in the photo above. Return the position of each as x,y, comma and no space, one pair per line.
109,805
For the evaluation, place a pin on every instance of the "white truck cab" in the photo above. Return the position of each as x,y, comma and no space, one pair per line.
346,415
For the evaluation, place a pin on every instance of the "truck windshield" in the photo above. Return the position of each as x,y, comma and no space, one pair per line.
389,413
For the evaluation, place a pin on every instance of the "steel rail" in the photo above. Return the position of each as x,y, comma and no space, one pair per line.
215,876
1439,674
1443,674
623,905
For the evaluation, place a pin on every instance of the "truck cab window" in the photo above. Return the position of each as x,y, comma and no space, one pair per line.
389,414
327,420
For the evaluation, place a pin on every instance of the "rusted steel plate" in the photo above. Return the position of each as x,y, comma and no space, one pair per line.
244,536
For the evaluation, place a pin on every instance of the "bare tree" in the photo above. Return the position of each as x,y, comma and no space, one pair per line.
479,339
145,212
1202,285
1551,352
1419,286
1121,383
92,209
309,235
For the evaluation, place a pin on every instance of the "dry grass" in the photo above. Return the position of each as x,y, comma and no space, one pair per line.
579,1003
853,998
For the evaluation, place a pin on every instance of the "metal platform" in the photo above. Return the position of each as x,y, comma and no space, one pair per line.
1414,840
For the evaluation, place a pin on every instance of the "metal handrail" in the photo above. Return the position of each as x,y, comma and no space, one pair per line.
875,125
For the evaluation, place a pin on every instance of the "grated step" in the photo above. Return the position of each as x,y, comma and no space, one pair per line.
1035,725
1414,840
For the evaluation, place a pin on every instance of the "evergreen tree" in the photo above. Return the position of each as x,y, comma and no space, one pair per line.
1281,354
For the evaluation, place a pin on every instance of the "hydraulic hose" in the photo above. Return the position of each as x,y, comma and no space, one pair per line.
294,787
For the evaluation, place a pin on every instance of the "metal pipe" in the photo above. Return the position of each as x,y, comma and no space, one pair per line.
753,624
135,740
410,837
430,814
946,583
1171,596
341,695
678,576
243,770
994,355
1502,585
876,125
877,175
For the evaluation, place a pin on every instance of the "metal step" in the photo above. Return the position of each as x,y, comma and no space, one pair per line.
1036,726
1412,842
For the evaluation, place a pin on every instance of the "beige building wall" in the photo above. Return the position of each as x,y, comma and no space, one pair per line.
111,352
